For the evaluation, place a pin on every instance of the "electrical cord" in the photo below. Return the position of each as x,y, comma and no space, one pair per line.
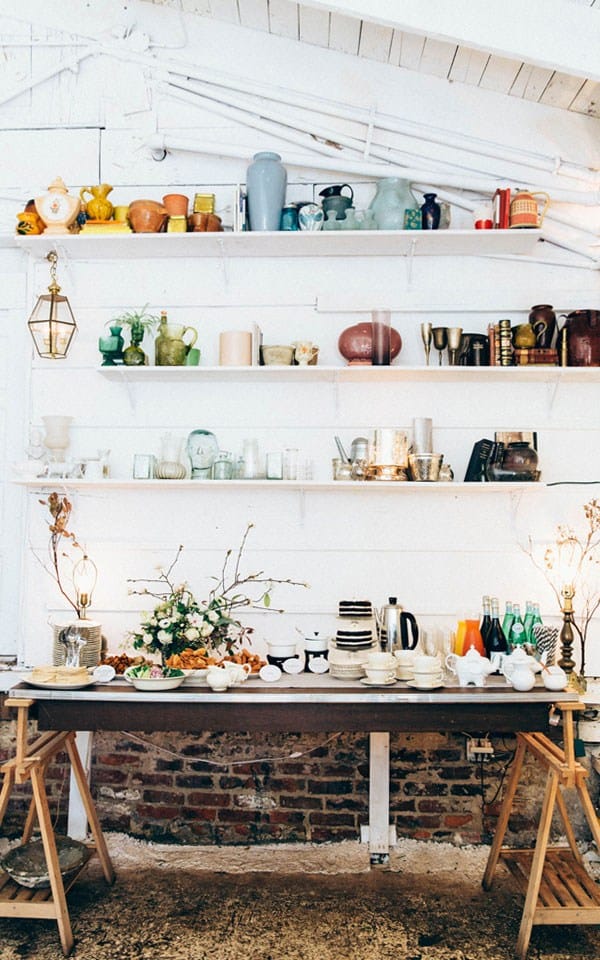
229,763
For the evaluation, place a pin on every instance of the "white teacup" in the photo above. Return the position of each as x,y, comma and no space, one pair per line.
219,678
424,664
380,660
405,658
237,672
380,676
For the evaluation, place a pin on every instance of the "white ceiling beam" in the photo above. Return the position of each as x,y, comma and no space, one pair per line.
555,34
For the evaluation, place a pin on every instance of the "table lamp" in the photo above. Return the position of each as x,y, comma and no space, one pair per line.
85,574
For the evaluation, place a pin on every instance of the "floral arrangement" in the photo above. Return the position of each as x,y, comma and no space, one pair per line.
573,561
180,621
60,509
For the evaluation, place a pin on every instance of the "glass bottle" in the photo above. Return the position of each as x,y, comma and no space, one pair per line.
496,641
516,634
133,355
486,619
535,620
508,618
527,619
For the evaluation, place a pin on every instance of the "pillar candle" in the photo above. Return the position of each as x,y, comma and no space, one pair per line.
235,348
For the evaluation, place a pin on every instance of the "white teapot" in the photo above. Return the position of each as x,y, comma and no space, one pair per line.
218,678
470,669
520,669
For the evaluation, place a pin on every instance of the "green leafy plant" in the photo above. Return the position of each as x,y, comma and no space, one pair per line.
179,621
138,321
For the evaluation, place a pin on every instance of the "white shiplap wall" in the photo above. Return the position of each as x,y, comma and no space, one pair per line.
438,552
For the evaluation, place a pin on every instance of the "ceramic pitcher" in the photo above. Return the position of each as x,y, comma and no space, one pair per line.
99,207
170,347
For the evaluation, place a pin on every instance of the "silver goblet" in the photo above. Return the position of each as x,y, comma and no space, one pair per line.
426,338
440,340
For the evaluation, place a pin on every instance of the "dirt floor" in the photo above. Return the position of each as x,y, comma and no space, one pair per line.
294,903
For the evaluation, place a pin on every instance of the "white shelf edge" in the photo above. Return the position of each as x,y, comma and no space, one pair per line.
44,483
350,374
339,243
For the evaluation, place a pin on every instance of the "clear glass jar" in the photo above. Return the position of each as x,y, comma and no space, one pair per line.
223,466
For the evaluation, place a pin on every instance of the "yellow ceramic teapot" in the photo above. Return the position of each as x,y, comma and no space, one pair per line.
99,207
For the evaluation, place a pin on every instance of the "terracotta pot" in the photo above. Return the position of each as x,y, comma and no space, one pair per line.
176,204
147,216
356,343
205,223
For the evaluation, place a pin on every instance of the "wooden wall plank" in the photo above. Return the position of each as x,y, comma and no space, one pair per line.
283,18
499,74
437,57
375,41
254,14
225,10
561,91
588,99
530,82
468,66
314,26
411,51
344,33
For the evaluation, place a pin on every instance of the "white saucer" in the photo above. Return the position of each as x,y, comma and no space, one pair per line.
418,686
377,683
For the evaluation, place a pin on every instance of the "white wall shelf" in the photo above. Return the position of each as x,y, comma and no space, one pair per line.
352,374
57,483
338,243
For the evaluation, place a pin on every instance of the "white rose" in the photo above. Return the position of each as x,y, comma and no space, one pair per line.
163,636
165,622
202,607
206,629
213,616
191,634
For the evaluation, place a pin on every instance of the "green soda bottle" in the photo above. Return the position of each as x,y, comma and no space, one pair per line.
508,619
516,634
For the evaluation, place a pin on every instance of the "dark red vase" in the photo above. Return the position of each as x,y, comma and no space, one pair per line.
356,344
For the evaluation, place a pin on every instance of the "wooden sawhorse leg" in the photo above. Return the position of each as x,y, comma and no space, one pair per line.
557,888
30,763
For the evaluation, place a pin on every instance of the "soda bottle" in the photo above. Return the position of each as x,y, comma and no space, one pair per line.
516,634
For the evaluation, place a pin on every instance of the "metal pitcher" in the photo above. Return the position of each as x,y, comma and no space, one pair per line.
393,626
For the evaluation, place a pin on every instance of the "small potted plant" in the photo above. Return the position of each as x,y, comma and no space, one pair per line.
139,323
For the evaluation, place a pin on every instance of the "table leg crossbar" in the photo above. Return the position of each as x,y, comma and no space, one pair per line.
554,880
30,763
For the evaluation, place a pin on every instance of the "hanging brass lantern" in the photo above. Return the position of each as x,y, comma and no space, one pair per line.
52,324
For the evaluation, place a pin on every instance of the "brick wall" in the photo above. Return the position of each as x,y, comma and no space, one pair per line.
158,787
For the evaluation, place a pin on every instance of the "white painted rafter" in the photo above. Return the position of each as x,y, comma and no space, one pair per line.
512,29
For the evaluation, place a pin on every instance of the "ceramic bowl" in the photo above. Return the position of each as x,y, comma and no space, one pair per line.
155,683
347,671
277,356
147,216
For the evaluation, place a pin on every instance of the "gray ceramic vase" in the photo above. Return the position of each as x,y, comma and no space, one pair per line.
266,181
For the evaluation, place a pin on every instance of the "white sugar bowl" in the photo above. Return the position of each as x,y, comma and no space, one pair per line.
520,669
470,669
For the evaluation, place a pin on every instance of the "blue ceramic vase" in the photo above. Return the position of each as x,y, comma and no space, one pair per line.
430,212
266,181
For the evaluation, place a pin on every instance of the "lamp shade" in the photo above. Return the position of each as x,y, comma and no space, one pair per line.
84,580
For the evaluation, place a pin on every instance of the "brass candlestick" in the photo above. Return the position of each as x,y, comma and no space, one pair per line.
566,634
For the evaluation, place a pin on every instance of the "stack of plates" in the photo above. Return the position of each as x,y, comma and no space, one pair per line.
355,627
90,655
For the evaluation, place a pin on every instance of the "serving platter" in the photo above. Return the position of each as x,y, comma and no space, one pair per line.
26,678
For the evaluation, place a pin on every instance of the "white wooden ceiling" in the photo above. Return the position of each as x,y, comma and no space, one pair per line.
362,38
